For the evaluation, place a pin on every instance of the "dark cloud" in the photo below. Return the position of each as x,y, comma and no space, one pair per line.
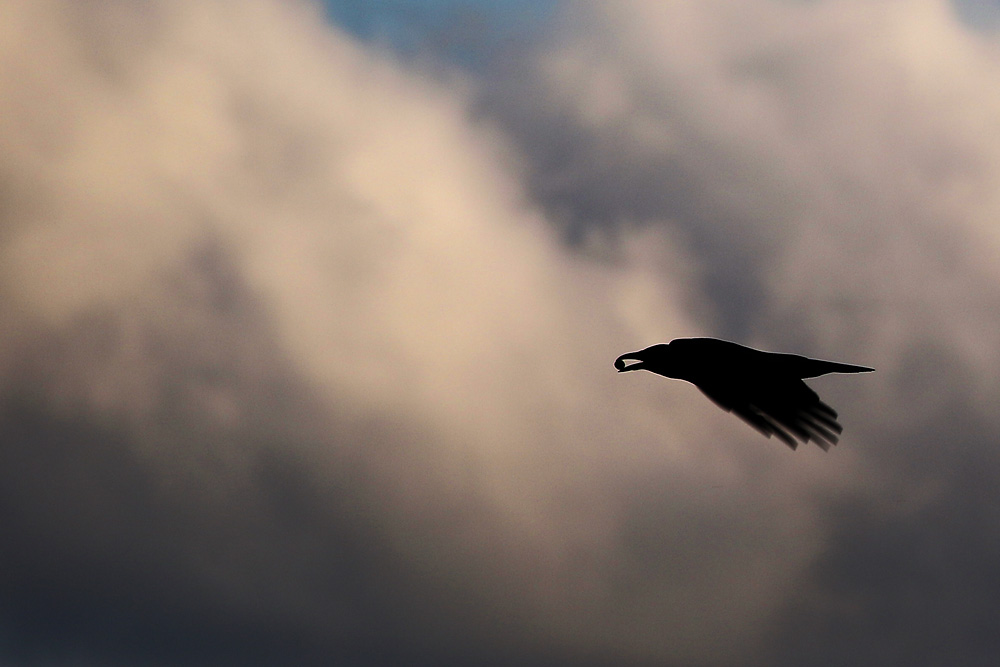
182,531
909,574
171,526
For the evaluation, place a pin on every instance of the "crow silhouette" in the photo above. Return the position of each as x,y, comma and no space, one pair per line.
764,389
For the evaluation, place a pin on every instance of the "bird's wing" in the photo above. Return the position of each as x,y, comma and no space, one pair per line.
787,409
747,412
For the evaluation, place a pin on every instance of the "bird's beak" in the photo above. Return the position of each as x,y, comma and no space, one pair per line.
620,363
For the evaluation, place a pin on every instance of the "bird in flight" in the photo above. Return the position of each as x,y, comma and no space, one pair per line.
764,389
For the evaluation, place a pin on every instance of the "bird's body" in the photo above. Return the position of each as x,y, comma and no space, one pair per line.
764,389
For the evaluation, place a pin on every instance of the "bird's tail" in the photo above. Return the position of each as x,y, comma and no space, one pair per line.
815,367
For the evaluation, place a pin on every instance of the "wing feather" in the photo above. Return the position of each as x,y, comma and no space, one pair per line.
786,408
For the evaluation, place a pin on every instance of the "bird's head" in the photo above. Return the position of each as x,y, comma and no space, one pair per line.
652,358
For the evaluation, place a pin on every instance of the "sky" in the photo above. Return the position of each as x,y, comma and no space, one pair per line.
308,314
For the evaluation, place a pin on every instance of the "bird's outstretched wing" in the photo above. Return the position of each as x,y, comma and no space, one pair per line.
787,409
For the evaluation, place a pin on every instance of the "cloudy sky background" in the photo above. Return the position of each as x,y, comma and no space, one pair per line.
307,315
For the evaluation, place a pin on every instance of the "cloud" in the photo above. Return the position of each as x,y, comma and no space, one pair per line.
831,168
306,351
292,363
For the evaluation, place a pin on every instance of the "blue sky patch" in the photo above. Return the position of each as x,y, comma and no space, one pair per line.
470,33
